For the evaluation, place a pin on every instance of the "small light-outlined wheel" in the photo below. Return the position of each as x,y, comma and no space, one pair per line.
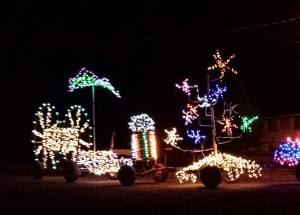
127,175
298,172
70,171
210,176
38,170
161,175
233,179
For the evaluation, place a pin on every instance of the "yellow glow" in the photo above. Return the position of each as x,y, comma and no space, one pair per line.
222,65
172,137
101,162
234,166
53,139
152,141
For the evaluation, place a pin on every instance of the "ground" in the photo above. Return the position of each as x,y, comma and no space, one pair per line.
277,192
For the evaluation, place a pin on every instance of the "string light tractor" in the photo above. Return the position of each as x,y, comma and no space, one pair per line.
215,166
144,153
64,146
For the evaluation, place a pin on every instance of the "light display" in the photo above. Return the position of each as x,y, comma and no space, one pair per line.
143,140
204,101
247,122
191,114
86,78
185,87
288,153
217,92
53,136
172,137
196,136
141,123
101,162
228,124
55,140
232,167
222,66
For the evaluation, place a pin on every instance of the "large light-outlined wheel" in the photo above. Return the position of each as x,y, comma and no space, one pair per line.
70,171
127,175
298,172
210,176
46,118
161,175
230,176
38,170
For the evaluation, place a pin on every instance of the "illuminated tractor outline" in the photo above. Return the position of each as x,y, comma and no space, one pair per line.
59,146
144,153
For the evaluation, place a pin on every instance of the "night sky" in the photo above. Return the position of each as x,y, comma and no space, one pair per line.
144,48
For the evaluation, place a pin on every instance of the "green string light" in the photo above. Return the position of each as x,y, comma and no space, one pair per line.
246,123
86,78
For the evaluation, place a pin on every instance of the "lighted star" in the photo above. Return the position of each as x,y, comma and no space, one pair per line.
246,123
222,65
185,87
191,114
204,102
217,92
195,135
228,125
172,137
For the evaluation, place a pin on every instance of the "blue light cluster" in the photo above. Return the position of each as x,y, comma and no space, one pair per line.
196,136
217,92
288,153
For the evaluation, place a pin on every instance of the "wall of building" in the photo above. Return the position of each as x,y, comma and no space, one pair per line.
278,128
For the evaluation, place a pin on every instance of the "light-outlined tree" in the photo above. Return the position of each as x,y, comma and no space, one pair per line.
221,129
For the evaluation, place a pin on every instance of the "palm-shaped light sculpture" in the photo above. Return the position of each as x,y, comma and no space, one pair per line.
86,78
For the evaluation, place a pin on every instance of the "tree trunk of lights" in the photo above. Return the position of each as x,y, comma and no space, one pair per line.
212,116
94,119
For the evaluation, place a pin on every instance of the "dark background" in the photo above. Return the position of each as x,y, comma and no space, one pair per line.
144,48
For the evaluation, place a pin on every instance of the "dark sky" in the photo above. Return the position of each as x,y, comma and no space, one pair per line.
144,48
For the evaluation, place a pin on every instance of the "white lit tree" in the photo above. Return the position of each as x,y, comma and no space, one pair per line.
222,129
